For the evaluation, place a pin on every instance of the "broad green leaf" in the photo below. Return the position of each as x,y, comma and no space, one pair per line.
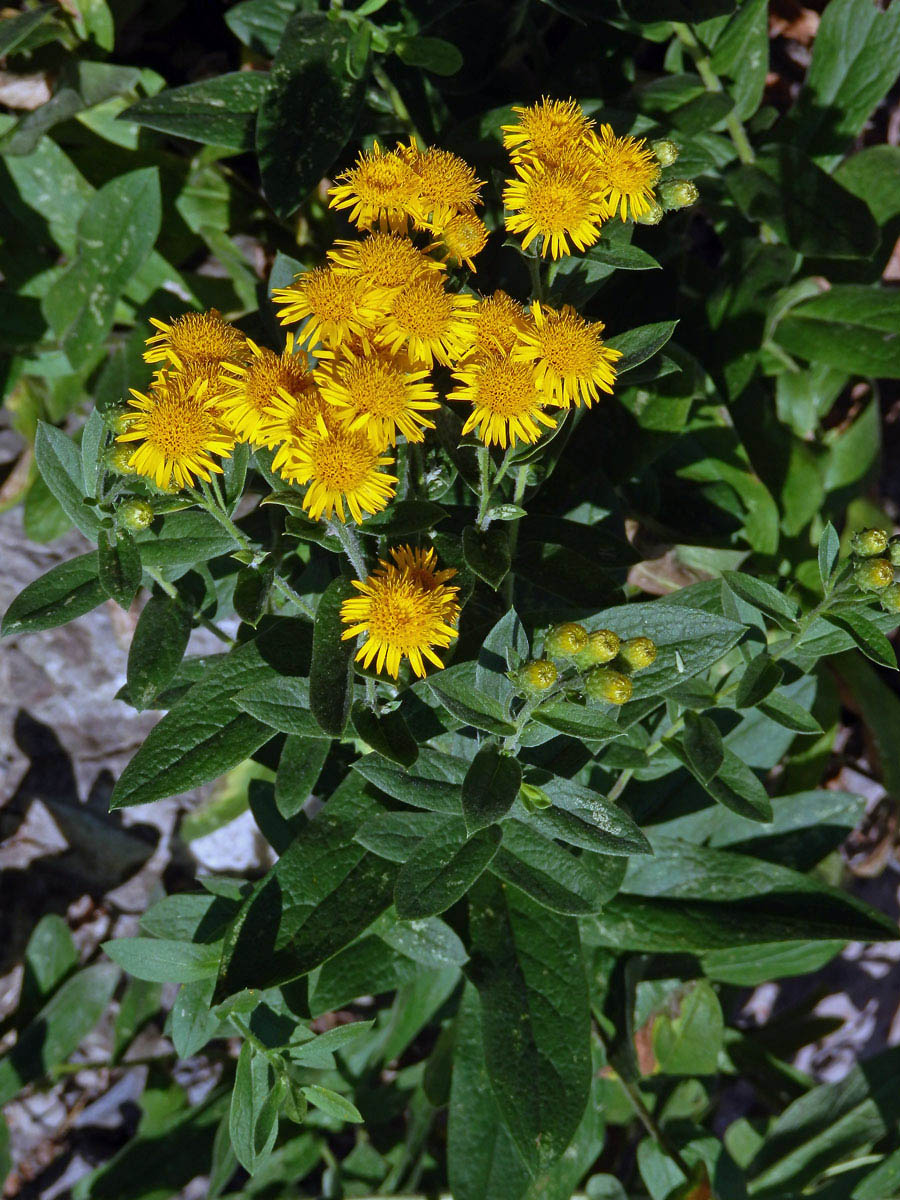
585,818
879,708
637,345
183,540
386,733
486,552
49,957
577,720
410,787
552,876
762,676
162,960
504,649
253,1118
193,1023
319,1052
404,517
734,785
749,965
395,835
366,967
527,967
790,714
687,1041
157,648
300,764
188,917
829,549
58,1029
93,439
332,1103
761,594
873,174
220,111
59,462
489,788
443,867
621,255
742,53
703,746
849,326
331,671
867,636
259,24
309,89
883,1181
115,235
429,941
458,693
67,591
431,54
118,566
15,29
283,704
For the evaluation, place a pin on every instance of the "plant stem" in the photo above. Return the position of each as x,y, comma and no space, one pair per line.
172,593
484,485
713,83
402,113
518,493
537,283
646,1118
350,543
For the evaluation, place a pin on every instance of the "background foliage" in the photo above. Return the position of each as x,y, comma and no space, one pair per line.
556,1011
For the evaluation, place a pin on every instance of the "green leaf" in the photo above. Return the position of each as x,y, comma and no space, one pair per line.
637,345
309,89
527,967
487,553
58,1029
205,734
220,111
742,53
404,517
67,591
703,746
751,965
623,256
489,788
93,439
260,24
807,208
735,786
119,566
584,818
761,676
555,878
157,648
59,463
577,720
253,1118
790,714
163,960
504,649
331,672
827,1125
867,636
429,941
183,540
252,589
15,29
829,549
761,595
116,233
687,1041
873,175
193,1022
443,867
435,794
884,1180
396,835
299,767
468,704
387,733
430,53
320,1051
850,326
283,704
332,1103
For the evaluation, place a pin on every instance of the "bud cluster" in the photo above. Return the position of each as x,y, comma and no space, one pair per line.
876,558
598,665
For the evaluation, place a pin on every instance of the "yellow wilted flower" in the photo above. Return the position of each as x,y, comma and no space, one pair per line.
461,238
569,357
507,403
379,392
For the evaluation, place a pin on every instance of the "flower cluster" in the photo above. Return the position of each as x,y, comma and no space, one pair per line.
877,557
405,608
597,664
569,179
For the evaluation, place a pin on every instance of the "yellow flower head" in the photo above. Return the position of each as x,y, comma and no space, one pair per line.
384,262
402,617
341,465
195,337
498,322
379,392
625,171
568,355
546,131
446,184
461,239
333,301
379,190
428,322
420,566
252,388
557,204
507,402
178,430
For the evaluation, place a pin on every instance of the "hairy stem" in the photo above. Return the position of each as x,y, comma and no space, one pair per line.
351,546
713,83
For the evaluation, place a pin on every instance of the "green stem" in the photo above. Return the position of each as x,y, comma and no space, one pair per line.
645,1116
537,282
713,83
404,116
351,546
513,536
172,593
484,485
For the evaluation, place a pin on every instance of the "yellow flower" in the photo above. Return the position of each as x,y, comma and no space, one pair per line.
428,322
498,322
340,465
558,204
507,401
195,337
332,302
179,431
625,172
461,239
379,190
379,392
252,388
546,131
420,565
446,184
384,262
402,616
568,355
289,420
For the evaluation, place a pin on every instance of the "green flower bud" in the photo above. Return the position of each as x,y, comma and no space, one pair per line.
136,515
890,598
651,216
536,676
894,550
117,459
603,683
533,798
678,193
115,418
874,575
602,647
638,652
565,641
666,152
869,542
